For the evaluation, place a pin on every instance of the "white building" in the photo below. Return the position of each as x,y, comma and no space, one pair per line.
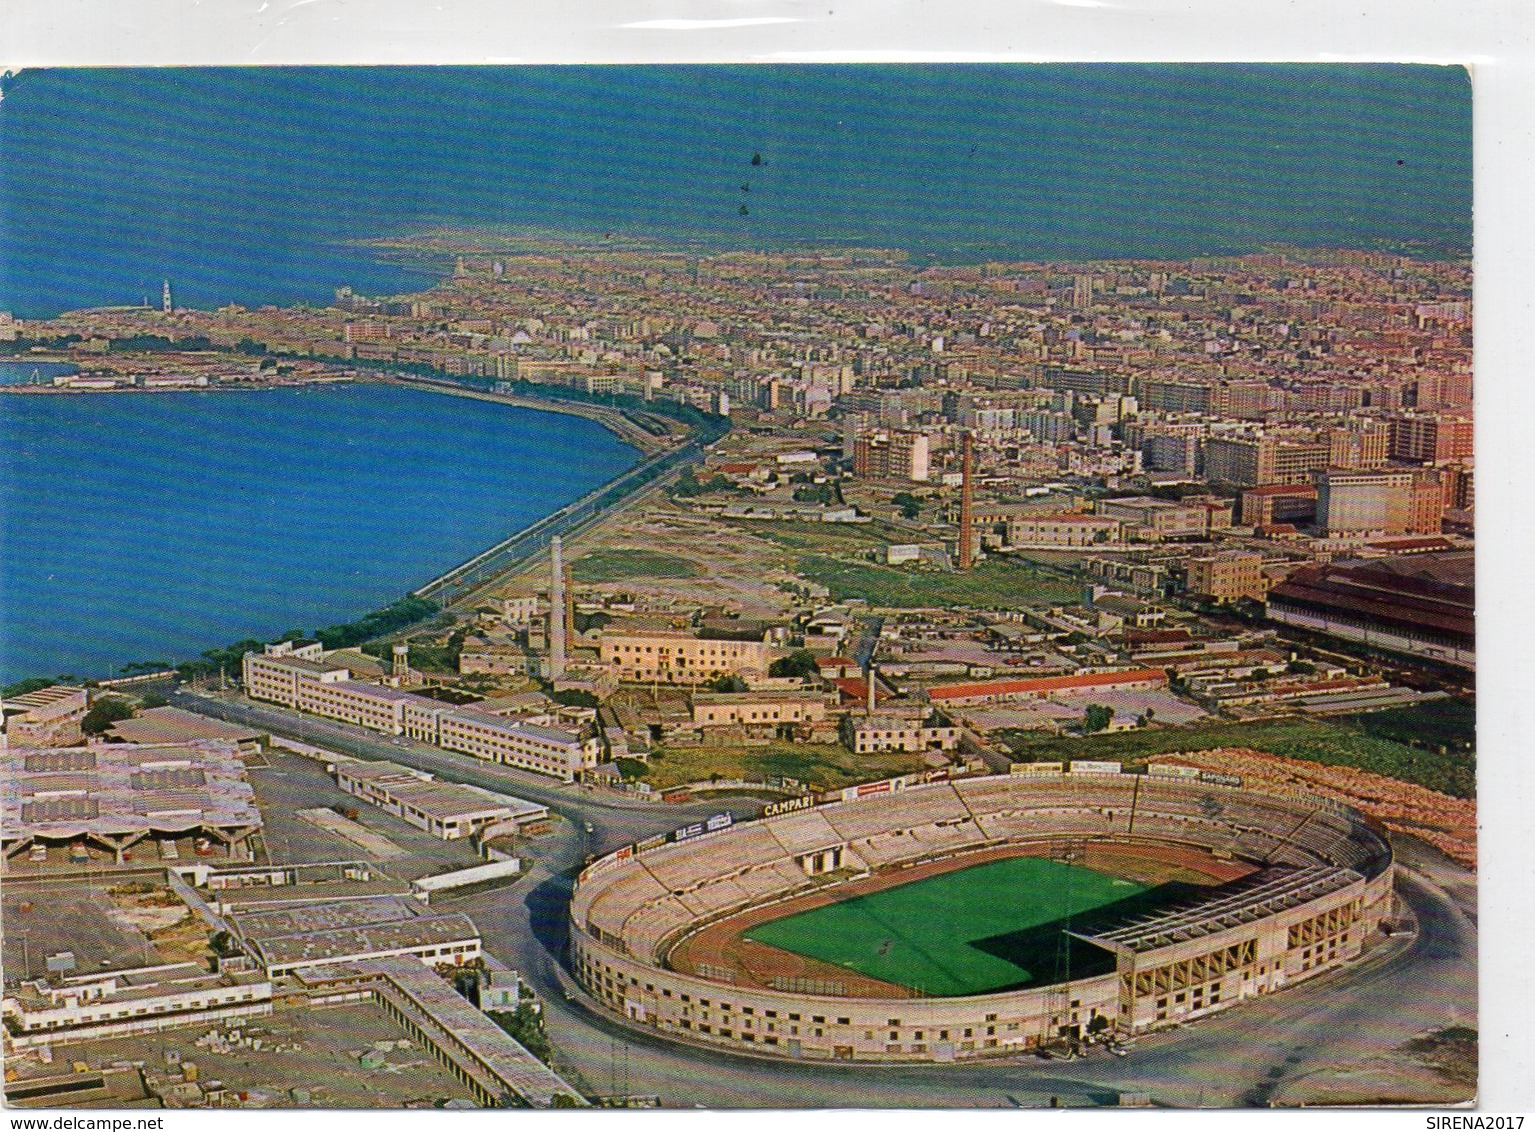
444,809
875,733
304,683
139,1001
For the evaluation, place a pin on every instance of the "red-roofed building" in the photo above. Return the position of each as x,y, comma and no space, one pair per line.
1278,503
1043,687
855,690
1421,604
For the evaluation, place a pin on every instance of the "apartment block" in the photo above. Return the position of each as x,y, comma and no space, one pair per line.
1362,503
1227,576
895,453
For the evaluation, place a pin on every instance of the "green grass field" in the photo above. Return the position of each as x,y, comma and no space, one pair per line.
987,928
828,765
1333,742
621,563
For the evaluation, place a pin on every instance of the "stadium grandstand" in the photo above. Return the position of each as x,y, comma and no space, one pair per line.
1148,899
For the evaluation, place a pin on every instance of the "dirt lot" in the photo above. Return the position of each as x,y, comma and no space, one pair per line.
317,1050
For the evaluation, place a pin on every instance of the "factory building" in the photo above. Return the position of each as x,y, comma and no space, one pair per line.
285,940
447,810
48,717
114,796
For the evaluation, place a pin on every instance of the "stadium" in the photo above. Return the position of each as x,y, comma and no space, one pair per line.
930,919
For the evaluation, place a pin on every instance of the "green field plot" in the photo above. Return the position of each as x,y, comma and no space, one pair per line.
1357,741
992,927
825,764
618,564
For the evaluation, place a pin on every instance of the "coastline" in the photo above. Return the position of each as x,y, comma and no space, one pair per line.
615,421
652,454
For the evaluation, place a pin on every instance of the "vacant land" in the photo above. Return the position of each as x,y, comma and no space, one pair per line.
991,585
835,538
1332,743
621,563
310,1058
824,764
1447,723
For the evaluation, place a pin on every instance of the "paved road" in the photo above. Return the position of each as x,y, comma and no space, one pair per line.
615,819
1246,1056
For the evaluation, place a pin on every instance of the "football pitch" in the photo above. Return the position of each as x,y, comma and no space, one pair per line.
992,927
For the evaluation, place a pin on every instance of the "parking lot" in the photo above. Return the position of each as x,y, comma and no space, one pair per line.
291,783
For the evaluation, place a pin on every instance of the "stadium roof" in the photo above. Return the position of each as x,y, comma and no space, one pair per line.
1246,902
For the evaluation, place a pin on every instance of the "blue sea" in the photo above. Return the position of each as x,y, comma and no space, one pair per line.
246,184
148,527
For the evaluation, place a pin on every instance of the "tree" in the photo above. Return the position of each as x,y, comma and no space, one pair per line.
798,663
631,769
153,700
910,505
726,682
1096,717
22,687
575,697
526,1025
104,713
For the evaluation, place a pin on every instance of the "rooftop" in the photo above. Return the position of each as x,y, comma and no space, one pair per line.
43,697
363,940
1043,684
173,725
1244,902
435,798
492,1046
118,789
